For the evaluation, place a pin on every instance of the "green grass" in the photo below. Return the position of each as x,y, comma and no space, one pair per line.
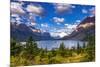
20,61
32,55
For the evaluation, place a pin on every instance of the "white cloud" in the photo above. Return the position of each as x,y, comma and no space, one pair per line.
14,15
58,23
33,23
16,8
58,34
58,20
32,17
84,11
66,24
62,34
44,25
19,22
78,21
63,7
15,18
73,6
18,18
35,9
71,26
65,31
92,11
12,20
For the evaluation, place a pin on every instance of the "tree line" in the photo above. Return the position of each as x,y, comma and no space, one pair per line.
30,54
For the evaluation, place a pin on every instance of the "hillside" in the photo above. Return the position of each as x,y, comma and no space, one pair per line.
21,32
86,27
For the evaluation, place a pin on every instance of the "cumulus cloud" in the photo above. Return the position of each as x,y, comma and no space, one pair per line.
15,18
58,20
31,20
19,22
58,34
33,23
84,11
16,8
92,11
63,7
78,21
58,23
62,34
44,25
32,17
66,24
71,26
12,20
36,9
18,18
65,31
14,15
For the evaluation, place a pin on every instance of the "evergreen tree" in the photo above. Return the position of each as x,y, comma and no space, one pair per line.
31,48
62,46
78,48
46,49
78,45
62,49
53,52
84,45
91,48
15,47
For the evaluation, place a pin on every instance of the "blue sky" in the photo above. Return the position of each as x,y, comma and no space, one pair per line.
59,19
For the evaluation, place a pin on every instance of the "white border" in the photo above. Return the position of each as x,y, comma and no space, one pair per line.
5,32
85,2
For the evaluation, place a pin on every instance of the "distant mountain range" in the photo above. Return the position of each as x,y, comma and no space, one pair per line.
87,26
21,32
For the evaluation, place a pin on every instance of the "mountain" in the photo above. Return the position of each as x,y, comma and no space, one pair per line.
21,32
85,28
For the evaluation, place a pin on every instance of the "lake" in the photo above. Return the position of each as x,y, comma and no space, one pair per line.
49,44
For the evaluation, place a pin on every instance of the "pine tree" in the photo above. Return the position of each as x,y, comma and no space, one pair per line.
31,48
15,47
91,48
84,45
62,46
42,53
78,48
53,52
62,49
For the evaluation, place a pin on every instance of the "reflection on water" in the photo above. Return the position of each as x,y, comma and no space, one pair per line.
49,44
